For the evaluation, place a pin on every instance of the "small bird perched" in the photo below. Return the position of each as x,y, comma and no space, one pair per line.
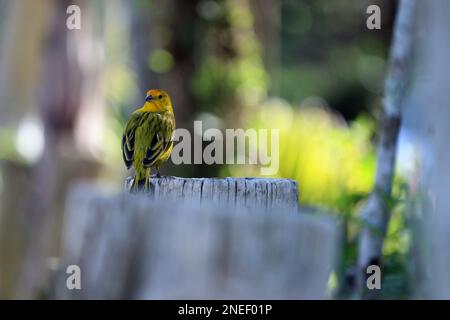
148,138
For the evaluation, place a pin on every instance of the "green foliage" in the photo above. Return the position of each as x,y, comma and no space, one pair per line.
396,262
231,74
160,61
326,156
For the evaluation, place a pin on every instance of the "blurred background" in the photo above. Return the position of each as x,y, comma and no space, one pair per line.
310,68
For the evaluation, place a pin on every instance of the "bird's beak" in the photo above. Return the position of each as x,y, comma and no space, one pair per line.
148,98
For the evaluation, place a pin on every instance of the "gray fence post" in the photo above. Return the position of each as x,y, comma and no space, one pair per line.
196,238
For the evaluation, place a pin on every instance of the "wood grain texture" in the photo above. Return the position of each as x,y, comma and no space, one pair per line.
250,193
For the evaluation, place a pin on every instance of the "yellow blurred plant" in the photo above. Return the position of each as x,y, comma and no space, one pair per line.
328,157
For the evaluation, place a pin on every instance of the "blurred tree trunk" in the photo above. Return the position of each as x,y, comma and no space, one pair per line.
267,15
19,57
167,25
180,17
19,68
14,177
58,100
375,214
70,103
170,26
142,44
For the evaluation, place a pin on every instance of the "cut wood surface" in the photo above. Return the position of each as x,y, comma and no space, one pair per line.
251,193
140,247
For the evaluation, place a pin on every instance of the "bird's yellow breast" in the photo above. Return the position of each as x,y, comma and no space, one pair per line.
152,106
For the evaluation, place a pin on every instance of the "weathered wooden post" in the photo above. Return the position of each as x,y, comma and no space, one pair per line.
250,193
196,238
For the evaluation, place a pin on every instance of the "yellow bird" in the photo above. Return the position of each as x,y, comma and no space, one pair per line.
148,138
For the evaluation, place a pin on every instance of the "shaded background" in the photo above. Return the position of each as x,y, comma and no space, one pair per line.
309,68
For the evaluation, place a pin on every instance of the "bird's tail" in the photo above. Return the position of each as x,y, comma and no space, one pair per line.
141,182
138,185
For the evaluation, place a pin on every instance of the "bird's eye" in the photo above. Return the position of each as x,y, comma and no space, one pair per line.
160,96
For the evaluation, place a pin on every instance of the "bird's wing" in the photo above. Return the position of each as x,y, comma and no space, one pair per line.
161,140
128,138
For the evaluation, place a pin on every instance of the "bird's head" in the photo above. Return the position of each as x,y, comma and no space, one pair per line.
157,101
